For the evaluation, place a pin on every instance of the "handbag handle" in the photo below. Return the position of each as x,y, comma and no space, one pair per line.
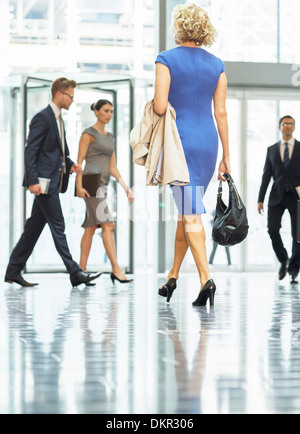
228,179
232,187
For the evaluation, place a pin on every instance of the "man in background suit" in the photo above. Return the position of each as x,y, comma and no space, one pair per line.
283,164
47,156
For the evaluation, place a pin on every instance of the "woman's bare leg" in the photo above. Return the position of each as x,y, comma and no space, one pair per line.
181,246
108,238
85,246
195,234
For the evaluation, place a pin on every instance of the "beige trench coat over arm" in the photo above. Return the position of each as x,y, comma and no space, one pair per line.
140,136
155,142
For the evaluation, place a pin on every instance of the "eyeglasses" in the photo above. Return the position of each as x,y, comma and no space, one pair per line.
65,93
287,124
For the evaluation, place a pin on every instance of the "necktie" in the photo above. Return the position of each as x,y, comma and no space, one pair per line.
286,155
62,139
286,162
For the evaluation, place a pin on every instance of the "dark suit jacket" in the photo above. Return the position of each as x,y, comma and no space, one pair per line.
44,154
274,168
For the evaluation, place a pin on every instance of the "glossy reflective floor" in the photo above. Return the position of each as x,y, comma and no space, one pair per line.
123,350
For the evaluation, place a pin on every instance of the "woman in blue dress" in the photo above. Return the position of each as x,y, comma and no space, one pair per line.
191,78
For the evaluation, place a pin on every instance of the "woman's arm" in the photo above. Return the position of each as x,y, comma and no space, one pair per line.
220,114
113,170
84,144
162,88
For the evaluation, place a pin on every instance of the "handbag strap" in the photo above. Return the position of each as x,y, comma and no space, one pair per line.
228,179
232,188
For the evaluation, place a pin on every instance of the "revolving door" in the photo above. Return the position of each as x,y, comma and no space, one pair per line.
34,96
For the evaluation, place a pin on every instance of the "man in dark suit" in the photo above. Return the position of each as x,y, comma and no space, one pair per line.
47,156
283,164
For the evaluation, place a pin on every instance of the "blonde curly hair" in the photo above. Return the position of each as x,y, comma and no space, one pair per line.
190,23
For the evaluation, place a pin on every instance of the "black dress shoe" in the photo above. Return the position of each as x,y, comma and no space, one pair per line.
282,270
17,278
293,278
82,278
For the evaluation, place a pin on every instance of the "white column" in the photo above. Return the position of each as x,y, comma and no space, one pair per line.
4,37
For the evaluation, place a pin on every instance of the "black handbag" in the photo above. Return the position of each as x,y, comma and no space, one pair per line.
230,224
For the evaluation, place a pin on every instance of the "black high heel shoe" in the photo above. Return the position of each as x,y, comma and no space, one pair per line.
114,277
207,292
168,289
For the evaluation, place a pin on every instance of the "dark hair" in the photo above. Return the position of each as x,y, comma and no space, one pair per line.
286,117
97,105
62,84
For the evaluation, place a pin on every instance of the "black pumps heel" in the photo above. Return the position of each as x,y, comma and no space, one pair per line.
207,292
168,289
114,277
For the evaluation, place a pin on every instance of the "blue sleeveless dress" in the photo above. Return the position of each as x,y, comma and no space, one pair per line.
194,77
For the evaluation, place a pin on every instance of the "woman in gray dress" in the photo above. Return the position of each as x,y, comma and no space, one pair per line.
96,147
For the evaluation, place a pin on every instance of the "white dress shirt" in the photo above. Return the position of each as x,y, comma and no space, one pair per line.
57,113
291,144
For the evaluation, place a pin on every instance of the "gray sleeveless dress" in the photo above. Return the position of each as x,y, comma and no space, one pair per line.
97,162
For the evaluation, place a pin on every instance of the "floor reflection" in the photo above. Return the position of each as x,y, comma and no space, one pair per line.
284,350
189,377
117,350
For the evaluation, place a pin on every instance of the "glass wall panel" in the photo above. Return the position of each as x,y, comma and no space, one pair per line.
261,133
263,117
